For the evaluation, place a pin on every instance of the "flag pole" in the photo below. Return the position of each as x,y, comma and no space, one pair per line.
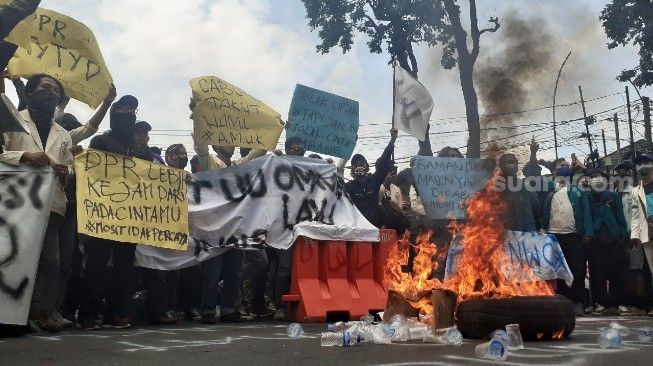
394,100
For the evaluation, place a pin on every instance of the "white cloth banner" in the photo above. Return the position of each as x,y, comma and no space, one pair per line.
526,253
413,104
25,195
269,201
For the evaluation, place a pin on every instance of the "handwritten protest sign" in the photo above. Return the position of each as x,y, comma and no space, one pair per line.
327,123
225,115
444,184
25,195
131,200
525,254
62,47
270,201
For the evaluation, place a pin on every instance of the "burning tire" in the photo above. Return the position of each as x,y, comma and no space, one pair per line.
539,317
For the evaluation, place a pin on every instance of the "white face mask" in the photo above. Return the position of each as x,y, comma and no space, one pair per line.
599,184
58,114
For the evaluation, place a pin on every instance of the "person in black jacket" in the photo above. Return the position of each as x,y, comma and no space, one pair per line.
364,188
118,140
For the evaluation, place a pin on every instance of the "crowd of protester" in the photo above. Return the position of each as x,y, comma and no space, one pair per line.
93,283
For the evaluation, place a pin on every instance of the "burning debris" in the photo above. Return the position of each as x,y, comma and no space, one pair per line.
480,270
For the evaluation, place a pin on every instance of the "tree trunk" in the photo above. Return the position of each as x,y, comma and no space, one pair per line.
466,69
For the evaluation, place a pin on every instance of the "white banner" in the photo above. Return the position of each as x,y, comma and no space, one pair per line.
413,104
25,195
270,201
526,253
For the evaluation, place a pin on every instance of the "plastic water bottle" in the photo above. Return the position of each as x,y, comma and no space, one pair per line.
367,319
645,335
515,340
623,330
495,350
379,334
417,330
610,339
398,319
501,334
342,339
295,330
450,336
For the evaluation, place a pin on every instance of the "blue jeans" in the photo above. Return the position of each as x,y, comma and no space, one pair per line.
228,267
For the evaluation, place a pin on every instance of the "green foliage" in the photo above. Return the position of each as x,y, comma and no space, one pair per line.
396,23
631,22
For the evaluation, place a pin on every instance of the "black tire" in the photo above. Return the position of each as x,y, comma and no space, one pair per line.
539,317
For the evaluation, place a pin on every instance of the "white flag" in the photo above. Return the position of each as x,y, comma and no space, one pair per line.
413,105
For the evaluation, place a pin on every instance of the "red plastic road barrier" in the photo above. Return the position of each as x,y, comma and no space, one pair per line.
337,277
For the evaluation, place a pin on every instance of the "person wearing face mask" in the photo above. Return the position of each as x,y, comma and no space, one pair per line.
520,212
364,188
45,144
118,140
567,215
607,254
227,266
642,220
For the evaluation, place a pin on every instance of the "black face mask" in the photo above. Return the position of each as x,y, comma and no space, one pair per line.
42,104
122,126
182,163
645,171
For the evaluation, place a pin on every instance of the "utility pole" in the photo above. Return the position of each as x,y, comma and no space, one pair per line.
587,127
646,102
616,131
633,153
605,150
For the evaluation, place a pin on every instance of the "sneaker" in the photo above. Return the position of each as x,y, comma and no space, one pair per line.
122,323
208,318
50,324
578,310
624,310
280,314
650,313
235,317
62,321
195,314
89,324
166,319
599,310
264,313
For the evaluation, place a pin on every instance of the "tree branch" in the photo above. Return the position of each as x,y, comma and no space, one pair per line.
459,34
496,27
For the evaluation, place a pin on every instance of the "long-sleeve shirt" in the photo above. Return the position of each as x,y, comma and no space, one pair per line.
365,194
211,162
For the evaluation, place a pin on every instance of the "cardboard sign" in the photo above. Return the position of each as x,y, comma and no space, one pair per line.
65,49
325,122
131,200
225,115
25,195
444,184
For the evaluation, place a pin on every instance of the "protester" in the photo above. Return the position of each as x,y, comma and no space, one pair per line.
46,144
607,254
520,215
642,219
118,140
364,188
567,215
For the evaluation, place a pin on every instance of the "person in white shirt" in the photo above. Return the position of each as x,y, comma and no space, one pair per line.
45,144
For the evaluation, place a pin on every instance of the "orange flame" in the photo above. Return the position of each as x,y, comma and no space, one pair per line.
558,334
479,272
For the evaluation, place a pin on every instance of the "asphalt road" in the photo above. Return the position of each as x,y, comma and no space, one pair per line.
267,344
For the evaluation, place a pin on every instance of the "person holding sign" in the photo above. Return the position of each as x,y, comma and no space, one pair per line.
364,189
46,144
118,140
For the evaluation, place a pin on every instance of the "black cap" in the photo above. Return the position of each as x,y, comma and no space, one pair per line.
142,126
357,159
128,101
642,158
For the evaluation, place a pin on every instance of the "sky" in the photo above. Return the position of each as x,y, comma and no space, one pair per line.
154,47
